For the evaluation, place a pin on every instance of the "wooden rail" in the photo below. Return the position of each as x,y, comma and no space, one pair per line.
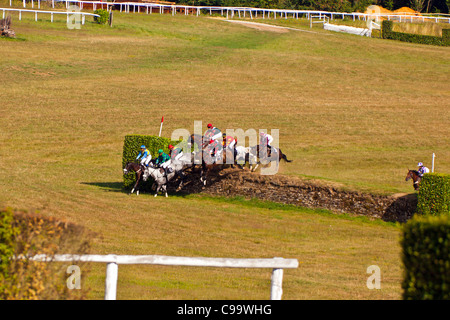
112,261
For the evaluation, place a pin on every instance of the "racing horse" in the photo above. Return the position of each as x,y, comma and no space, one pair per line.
199,157
159,177
259,154
138,170
416,178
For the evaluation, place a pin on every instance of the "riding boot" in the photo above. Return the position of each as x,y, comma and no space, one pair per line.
165,173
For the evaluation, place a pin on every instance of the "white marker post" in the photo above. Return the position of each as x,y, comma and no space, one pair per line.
160,128
432,162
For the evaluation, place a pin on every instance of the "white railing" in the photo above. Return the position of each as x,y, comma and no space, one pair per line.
242,12
112,261
36,12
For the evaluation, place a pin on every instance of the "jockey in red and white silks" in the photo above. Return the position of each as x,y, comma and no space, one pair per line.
265,139
212,133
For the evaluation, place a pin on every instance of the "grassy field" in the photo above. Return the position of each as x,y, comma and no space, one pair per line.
352,111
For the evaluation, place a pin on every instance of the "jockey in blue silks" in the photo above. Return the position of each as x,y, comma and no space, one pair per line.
144,156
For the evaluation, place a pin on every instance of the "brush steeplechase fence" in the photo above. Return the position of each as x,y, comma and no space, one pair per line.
112,261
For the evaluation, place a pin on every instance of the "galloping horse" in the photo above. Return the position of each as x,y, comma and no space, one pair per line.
414,175
139,171
276,155
161,180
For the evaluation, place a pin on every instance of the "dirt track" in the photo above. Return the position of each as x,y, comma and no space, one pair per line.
291,190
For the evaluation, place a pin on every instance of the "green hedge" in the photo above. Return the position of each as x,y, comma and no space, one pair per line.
414,38
7,234
434,194
104,16
131,149
426,258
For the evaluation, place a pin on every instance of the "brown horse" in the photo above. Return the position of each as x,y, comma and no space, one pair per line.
416,178
138,170
206,166
211,165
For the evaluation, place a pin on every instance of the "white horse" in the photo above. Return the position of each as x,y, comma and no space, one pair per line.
246,155
174,168
160,178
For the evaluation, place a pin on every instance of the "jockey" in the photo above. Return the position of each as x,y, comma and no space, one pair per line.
422,169
265,141
212,133
144,156
175,153
229,144
163,160
214,150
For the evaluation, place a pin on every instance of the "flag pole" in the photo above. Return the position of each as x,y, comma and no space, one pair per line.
160,128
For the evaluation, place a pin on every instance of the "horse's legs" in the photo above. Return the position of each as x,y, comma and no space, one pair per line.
138,177
157,190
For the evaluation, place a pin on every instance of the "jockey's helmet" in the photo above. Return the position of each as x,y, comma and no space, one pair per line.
142,147
209,125
160,151
224,135
420,164
170,147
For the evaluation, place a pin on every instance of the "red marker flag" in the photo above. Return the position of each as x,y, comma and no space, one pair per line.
160,128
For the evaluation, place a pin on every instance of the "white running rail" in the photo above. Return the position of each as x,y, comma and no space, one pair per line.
112,262
241,12
36,12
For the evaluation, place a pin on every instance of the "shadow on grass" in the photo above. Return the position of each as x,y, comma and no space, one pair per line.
108,186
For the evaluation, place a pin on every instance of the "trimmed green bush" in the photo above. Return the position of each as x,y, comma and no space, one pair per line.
131,149
434,194
426,258
387,33
7,234
104,16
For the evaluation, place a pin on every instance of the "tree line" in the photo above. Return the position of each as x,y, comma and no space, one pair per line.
438,6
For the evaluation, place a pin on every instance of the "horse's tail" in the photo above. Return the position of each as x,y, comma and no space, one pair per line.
283,156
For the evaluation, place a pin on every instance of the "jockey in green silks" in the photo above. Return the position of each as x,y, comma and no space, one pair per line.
163,160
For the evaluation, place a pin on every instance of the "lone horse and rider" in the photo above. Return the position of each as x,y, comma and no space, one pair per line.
417,175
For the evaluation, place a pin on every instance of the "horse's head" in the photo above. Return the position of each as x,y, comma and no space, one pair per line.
408,175
127,168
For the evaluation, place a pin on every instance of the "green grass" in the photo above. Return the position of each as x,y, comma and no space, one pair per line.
352,111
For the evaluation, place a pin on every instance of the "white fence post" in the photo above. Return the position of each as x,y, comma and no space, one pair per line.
432,163
276,287
111,281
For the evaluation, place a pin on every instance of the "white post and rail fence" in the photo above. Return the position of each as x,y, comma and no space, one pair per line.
112,266
241,12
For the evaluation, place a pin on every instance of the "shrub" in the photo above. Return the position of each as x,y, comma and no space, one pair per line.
426,258
415,38
434,194
131,148
27,235
104,16
7,234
